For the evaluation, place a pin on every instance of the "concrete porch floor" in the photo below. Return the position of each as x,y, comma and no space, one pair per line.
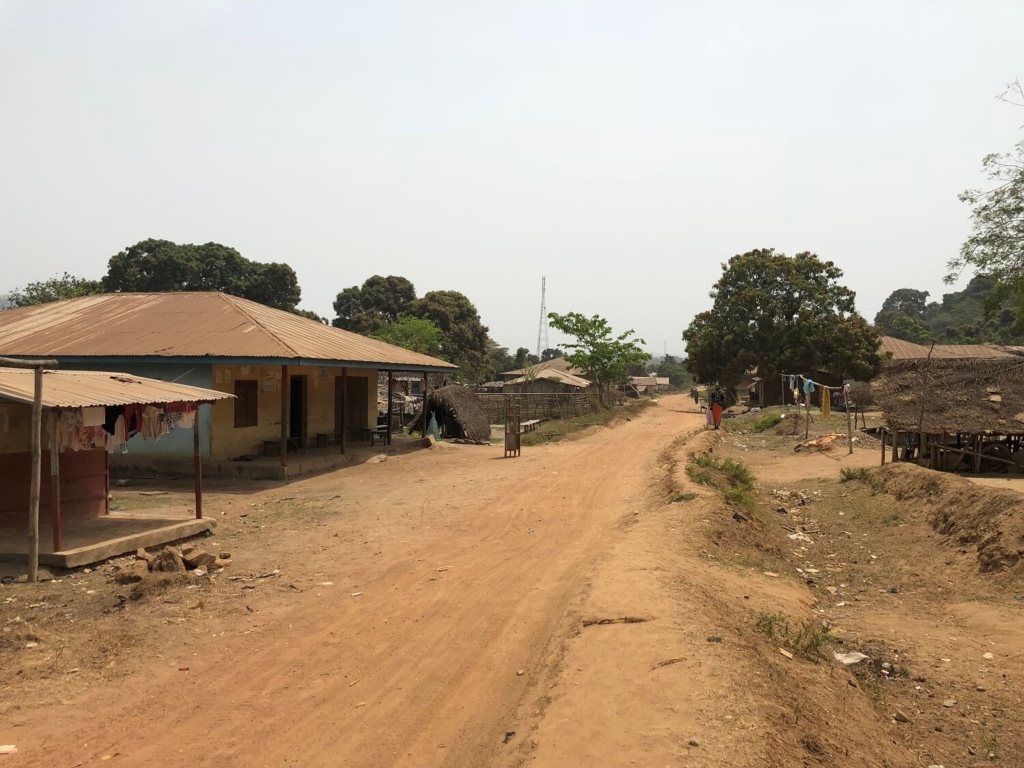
308,461
95,539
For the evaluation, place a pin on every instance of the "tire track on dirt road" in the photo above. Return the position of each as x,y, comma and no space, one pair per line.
414,672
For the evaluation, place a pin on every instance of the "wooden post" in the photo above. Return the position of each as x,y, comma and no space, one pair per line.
895,445
882,435
807,407
391,391
198,457
976,440
285,395
423,415
58,543
344,410
37,471
849,429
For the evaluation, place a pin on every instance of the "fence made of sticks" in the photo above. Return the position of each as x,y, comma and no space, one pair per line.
537,405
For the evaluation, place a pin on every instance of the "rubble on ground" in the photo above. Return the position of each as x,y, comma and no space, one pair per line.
189,559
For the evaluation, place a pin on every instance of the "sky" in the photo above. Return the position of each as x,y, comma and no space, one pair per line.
623,150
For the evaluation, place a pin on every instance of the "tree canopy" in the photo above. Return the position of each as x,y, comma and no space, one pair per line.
59,288
412,333
523,359
995,248
604,358
464,339
377,303
780,315
551,354
161,265
974,315
674,370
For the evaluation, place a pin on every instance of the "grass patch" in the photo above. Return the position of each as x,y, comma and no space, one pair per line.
684,497
554,430
767,421
707,469
810,640
733,478
846,474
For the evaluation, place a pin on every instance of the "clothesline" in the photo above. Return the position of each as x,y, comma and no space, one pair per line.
110,427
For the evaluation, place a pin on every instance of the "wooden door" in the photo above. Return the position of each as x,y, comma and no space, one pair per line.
358,405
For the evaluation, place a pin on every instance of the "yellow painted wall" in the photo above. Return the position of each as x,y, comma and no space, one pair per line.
15,427
227,441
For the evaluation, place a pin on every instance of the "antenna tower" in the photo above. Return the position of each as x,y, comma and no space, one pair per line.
543,341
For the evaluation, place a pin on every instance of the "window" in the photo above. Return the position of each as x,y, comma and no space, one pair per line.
246,411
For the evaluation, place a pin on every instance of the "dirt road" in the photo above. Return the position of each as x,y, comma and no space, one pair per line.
436,589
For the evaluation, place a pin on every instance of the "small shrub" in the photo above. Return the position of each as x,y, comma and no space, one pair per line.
740,497
767,421
893,520
846,474
808,640
770,623
684,497
812,743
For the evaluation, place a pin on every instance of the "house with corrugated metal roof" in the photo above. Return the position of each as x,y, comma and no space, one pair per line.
297,383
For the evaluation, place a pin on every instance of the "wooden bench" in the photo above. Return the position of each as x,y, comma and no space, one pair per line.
529,426
372,433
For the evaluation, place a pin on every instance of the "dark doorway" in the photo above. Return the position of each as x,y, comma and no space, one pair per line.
358,405
297,411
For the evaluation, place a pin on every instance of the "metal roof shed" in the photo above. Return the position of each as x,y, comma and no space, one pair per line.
30,385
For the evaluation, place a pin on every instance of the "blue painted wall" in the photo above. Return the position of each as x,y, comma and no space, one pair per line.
177,444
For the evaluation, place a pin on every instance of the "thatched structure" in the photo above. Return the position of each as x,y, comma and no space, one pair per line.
970,396
459,413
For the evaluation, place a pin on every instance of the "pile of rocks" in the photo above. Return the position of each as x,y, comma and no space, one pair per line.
189,559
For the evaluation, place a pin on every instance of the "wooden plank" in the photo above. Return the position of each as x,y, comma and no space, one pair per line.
10,362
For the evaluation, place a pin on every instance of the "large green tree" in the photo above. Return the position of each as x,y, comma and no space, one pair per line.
550,354
378,302
464,339
603,357
65,286
162,265
995,248
412,333
780,315
674,370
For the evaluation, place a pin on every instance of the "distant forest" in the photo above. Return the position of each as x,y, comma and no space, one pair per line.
970,316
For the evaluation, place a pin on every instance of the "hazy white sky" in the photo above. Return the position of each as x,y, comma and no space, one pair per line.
622,149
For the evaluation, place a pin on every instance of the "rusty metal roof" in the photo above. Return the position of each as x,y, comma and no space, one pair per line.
908,350
552,374
113,325
555,363
85,389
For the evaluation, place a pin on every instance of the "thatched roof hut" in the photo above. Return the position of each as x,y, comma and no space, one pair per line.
459,413
967,395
